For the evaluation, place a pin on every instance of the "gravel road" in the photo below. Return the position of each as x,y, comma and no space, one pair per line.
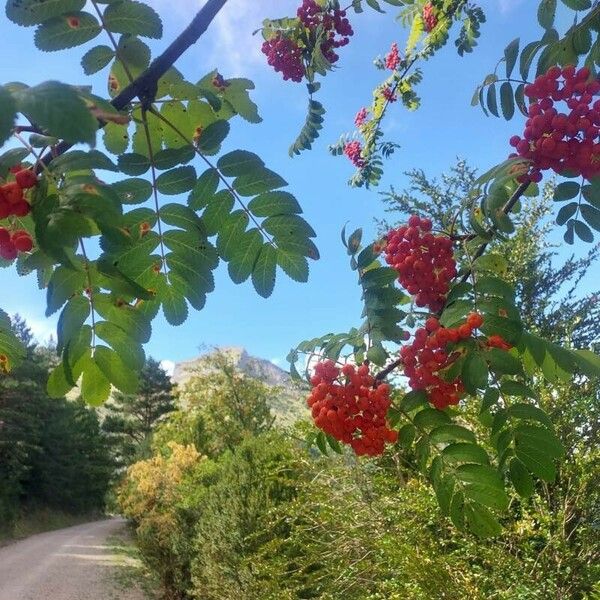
77,563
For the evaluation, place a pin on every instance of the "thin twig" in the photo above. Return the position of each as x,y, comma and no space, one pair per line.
145,86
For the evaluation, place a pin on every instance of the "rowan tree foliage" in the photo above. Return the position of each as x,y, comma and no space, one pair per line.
130,418
438,305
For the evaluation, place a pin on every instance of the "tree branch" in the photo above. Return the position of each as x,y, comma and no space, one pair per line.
146,85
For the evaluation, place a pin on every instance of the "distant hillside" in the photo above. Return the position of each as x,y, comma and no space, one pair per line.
287,407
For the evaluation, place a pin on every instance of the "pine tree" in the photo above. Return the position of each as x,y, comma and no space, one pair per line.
131,418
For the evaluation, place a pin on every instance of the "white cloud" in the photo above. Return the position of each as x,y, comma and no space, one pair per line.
233,48
168,366
507,6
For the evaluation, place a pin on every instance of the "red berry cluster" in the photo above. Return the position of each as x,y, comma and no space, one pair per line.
361,117
13,243
561,141
347,404
429,16
12,197
429,354
334,24
220,83
285,56
392,59
424,261
353,150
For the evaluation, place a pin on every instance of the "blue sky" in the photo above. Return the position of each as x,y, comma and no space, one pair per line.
445,127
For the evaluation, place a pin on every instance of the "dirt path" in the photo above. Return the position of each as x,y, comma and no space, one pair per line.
78,563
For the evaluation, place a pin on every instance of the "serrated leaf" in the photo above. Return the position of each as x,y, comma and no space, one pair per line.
263,274
465,452
77,160
238,163
258,181
176,181
481,521
96,59
566,190
520,477
274,203
95,386
8,114
67,31
71,319
510,56
546,12
492,102
242,261
475,372
212,137
591,215
58,109
34,12
294,265
130,351
507,100
582,231
133,191
133,164
134,18
205,188
451,432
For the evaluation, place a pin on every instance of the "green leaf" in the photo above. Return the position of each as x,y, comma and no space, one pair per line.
263,274
588,362
591,215
451,432
429,418
115,370
592,194
64,283
133,191
77,160
133,18
503,362
66,31
95,386
176,181
492,103
258,181
492,262
58,108
58,386
288,226
181,216
8,114
520,477
482,484
96,59
507,100
529,412
546,13
129,350
212,137
34,12
242,261
205,188
133,164
239,162
566,190
578,4
566,212
516,388
465,452
510,57
217,212
274,203
481,521
413,400
475,372
583,232
174,305
72,318
294,265
509,329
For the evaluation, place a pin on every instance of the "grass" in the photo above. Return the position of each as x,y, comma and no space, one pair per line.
132,574
41,520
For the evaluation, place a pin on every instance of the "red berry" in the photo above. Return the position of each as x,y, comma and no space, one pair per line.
26,178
